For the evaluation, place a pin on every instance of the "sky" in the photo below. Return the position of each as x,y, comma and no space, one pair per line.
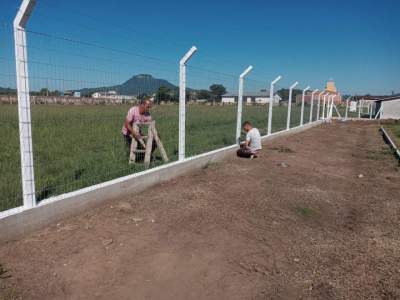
75,44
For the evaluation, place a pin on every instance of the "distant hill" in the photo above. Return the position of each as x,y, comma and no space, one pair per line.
138,84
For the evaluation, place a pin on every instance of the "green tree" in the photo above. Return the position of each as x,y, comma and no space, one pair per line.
163,94
44,92
217,90
284,94
55,93
143,96
175,95
204,95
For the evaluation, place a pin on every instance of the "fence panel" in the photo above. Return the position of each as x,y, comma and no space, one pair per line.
82,90
211,110
83,86
10,166
255,104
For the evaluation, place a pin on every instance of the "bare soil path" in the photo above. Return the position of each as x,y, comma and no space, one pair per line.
299,222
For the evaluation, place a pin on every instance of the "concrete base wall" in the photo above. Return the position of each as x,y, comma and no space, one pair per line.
18,222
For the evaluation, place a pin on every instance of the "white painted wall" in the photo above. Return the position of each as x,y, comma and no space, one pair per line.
391,109
261,100
353,106
228,99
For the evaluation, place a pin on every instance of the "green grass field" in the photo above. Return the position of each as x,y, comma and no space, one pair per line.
394,131
78,146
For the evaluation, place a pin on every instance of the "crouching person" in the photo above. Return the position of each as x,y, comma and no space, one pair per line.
252,145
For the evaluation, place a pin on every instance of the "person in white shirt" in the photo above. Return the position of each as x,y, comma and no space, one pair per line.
252,145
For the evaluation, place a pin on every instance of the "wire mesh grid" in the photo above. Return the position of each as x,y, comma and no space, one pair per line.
279,109
81,92
211,110
83,88
10,167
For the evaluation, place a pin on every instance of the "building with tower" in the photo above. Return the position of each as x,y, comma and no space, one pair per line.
329,88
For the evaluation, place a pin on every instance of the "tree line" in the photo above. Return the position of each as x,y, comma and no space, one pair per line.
213,94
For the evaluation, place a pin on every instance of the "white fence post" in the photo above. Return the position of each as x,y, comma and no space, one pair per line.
347,108
182,101
24,105
312,104
370,110
331,106
319,104
337,111
379,113
302,104
323,106
328,103
271,99
290,104
240,103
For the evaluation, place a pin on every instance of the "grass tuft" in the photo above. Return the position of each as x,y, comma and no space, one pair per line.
305,212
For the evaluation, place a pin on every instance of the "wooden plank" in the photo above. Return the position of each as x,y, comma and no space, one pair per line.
159,144
149,145
132,156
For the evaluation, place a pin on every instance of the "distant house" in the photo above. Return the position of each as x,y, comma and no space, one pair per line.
68,93
251,98
390,107
112,95
108,94
96,95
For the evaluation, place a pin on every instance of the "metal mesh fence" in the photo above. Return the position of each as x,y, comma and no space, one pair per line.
255,106
211,116
86,93
10,169
257,114
81,91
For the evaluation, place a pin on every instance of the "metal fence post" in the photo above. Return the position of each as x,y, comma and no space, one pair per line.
330,107
370,110
347,108
319,105
302,104
327,106
240,103
182,101
323,106
24,105
312,104
379,113
290,104
271,99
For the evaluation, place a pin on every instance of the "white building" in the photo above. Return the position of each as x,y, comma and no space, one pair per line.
96,95
390,107
112,95
260,98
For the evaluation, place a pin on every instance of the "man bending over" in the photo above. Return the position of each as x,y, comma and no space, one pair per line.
136,115
250,147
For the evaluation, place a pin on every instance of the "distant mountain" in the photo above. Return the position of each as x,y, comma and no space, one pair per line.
138,84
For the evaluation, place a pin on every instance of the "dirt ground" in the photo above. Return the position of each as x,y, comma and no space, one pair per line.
316,216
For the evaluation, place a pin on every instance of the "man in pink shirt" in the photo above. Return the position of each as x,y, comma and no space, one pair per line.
136,114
